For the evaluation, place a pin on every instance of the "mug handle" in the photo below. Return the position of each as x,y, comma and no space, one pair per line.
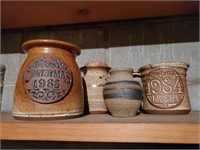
108,74
136,73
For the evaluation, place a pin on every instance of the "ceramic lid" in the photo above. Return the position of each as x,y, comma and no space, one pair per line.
52,43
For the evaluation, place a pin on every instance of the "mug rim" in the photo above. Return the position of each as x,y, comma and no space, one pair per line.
179,64
27,45
121,69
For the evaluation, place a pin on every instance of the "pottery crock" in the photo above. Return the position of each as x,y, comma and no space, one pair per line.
122,93
165,88
49,83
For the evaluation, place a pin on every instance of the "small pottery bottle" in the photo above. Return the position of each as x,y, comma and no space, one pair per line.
165,88
122,94
49,83
95,78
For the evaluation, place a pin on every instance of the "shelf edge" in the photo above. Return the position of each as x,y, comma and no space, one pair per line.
183,133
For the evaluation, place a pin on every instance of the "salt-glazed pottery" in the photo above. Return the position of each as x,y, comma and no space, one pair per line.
165,88
49,84
122,93
95,78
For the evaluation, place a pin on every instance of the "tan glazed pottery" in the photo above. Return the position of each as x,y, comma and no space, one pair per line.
165,88
122,94
49,83
95,78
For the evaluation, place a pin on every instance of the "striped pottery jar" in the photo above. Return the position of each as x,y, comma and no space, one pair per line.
122,94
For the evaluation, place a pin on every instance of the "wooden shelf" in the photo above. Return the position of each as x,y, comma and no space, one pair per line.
19,14
143,128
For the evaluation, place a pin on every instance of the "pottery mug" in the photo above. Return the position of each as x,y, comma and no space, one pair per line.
165,88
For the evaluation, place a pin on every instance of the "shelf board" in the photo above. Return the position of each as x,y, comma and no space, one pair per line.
184,129
19,14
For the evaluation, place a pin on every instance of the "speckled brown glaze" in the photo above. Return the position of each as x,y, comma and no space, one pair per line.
48,82
122,94
95,78
165,88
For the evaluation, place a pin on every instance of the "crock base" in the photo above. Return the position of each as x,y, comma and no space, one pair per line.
167,112
46,116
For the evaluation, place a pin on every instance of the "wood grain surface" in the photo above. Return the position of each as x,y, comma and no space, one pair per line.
143,128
